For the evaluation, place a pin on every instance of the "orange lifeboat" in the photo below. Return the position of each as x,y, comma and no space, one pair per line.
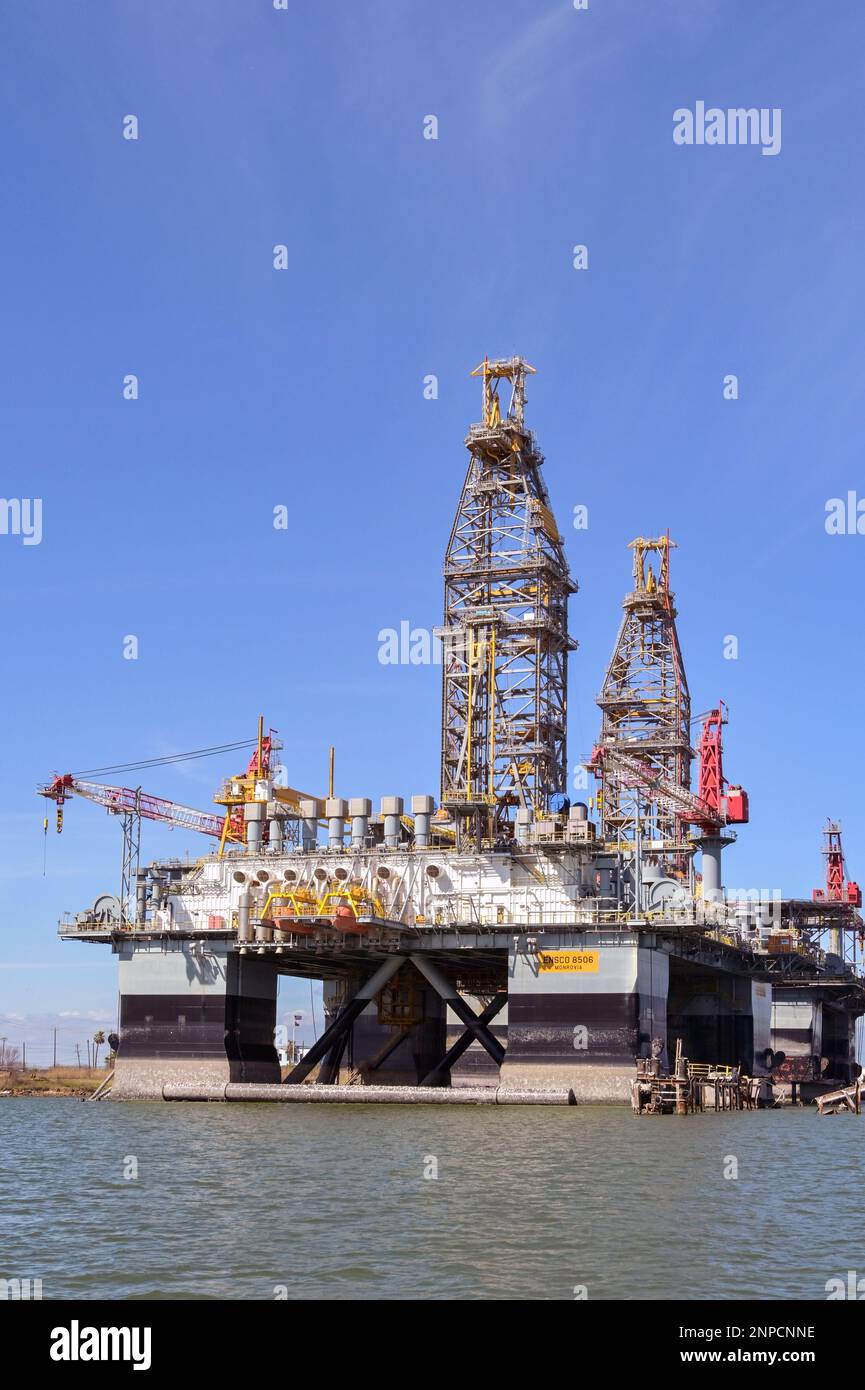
345,917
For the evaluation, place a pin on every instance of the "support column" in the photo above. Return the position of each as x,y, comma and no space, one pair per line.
713,1012
797,1031
193,1011
580,1010
711,846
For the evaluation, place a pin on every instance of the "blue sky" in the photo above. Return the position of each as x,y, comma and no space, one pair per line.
304,387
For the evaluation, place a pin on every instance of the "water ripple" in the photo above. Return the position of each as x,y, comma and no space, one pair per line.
250,1201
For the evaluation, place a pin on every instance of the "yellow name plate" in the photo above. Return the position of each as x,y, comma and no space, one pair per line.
569,962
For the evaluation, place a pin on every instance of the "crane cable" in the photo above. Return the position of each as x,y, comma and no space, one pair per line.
170,758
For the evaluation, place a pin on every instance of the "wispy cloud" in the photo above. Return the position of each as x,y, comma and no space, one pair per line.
539,54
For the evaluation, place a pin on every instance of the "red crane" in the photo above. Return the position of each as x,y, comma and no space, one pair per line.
131,801
838,889
132,805
227,825
714,805
730,806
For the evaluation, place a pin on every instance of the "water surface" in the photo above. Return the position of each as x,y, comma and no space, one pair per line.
234,1201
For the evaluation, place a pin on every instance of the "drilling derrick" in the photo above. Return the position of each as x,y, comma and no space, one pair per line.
505,634
647,710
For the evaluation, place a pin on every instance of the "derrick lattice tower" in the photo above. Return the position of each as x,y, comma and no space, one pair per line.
505,634
646,707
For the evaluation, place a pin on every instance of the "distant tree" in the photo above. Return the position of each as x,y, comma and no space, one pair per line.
98,1040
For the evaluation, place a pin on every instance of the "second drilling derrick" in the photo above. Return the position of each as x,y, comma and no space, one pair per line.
505,634
646,706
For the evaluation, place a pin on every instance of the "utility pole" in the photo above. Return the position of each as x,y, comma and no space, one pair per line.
54,1063
78,1055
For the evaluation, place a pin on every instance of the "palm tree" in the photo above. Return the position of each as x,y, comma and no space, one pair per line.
98,1039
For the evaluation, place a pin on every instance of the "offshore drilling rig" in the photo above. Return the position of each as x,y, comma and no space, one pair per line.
505,936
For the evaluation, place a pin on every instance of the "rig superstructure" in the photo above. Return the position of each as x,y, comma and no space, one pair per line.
503,935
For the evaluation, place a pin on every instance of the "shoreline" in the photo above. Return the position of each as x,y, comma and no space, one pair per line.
52,1082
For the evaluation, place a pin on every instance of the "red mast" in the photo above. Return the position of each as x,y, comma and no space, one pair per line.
837,889
730,808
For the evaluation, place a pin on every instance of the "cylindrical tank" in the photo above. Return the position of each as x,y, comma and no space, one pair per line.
711,845
422,808
244,930
275,833
336,810
254,814
310,811
360,810
263,930
391,810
